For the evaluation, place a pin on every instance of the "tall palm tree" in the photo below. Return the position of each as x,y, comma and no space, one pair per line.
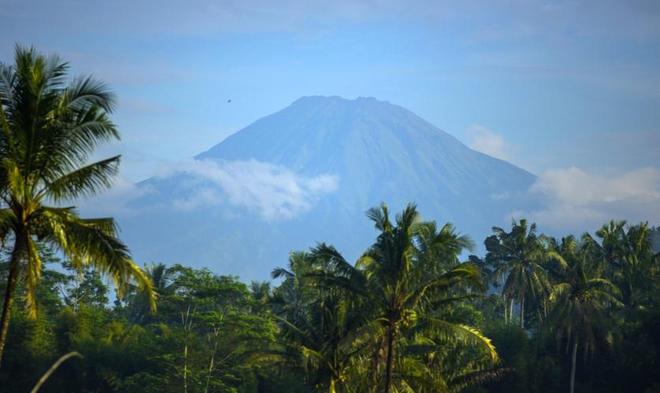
636,273
408,273
48,130
628,253
612,237
579,300
519,256
387,313
320,324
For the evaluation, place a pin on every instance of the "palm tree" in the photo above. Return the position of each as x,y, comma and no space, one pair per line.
261,295
612,237
139,308
636,268
628,253
161,277
519,256
385,317
48,132
320,324
579,301
406,275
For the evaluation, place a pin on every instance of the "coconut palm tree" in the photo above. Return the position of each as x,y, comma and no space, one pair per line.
629,259
635,274
399,291
519,257
321,325
139,308
48,131
612,237
579,301
409,272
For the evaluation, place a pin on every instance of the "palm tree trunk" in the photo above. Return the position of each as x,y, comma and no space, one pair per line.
390,358
511,310
12,279
333,389
506,310
573,361
522,312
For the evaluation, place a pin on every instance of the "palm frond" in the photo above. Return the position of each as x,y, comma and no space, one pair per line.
85,181
93,242
465,334
87,92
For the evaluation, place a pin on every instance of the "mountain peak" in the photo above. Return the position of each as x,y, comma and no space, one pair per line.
323,127
335,98
320,133
338,102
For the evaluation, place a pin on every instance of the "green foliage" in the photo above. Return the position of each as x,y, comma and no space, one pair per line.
326,325
48,132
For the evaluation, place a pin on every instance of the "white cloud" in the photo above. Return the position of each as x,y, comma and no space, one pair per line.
272,191
575,199
487,141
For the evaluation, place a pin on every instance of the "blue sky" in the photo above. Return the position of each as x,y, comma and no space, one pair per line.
562,88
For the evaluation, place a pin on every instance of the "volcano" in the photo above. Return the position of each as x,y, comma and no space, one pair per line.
307,174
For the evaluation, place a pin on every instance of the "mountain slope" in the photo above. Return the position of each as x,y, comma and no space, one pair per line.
308,173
